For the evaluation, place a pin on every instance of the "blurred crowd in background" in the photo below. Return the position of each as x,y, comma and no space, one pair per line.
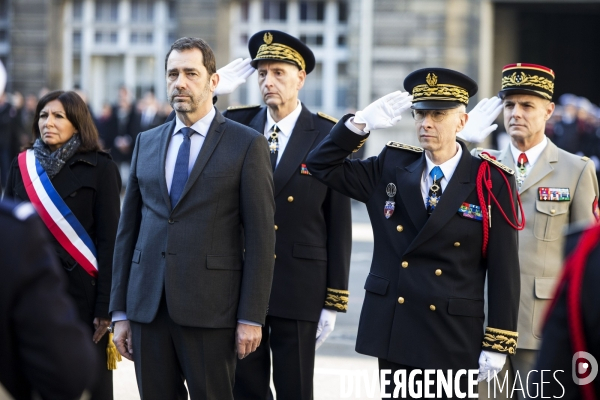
118,124
574,126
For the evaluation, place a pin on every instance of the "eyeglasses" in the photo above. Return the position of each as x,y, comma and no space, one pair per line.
436,115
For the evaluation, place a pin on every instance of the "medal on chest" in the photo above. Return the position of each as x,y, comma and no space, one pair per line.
390,204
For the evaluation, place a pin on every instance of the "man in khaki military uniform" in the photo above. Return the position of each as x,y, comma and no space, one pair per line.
557,188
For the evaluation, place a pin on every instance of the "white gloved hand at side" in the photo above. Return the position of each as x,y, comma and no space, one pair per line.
233,75
325,326
490,364
479,125
384,112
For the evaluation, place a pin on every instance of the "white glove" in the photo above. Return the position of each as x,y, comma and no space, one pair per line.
325,326
233,75
384,112
492,362
478,125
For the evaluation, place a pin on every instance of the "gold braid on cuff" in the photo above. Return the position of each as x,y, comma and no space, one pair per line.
337,300
500,341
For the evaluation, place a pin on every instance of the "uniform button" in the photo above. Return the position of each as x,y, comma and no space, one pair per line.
93,282
275,255
432,307
291,198
276,227
401,300
404,264
456,244
553,211
438,272
171,221
399,228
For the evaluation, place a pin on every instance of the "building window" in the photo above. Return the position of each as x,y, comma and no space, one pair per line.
106,37
274,10
312,93
3,9
141,37
76,40
245,10
312,40
171,38
342,11
107,10
244,39
342,86
342,41
312,11
77,10
142,10
172,10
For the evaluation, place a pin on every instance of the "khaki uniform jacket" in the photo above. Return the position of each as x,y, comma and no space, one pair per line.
541,243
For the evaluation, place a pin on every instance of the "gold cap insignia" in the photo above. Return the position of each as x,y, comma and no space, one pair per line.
268,38
431,79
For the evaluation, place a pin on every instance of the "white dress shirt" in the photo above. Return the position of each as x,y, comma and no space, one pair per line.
533,154
448,169
197,140
285,128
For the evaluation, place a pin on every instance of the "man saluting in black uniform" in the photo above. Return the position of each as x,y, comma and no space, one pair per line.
423,306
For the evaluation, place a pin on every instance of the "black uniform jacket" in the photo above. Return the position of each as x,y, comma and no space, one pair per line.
557,350
313,225
424,301
44,348
90,185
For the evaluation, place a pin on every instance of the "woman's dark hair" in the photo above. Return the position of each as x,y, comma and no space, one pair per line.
77,113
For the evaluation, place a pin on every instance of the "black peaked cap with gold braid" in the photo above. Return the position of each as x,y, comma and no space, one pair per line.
439,88
521,78
274,45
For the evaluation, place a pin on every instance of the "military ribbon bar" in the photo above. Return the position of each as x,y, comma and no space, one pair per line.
55,213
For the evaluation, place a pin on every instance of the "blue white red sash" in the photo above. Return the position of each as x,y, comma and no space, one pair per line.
55,213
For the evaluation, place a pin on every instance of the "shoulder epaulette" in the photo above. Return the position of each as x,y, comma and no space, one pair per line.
585,158
231,108
327,117
503,167
403,146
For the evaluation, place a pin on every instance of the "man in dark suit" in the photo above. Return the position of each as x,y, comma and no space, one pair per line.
194,256
424,306
46,351
312,223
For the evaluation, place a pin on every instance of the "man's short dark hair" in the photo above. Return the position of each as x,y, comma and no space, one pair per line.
189,43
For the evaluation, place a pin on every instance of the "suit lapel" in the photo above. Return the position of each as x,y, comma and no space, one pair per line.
408,180
457,190
165,137
299,143
542,167
213,136
259,121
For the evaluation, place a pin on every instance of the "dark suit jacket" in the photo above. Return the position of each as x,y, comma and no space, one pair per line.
314,230
90,185
424,303
212,254
44,347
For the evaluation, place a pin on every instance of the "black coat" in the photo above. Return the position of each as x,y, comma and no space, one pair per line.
90,185
43,346
424,301
313,224
557,350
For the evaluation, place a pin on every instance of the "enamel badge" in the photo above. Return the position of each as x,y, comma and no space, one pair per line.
304,170
390,204
471,211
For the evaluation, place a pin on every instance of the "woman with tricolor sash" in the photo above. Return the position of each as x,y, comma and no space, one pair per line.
75,187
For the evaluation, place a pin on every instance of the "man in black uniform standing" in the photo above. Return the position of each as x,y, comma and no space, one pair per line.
423,306
45,350
312,223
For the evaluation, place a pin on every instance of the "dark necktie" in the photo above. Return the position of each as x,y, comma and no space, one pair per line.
274,145
435,191
180,173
